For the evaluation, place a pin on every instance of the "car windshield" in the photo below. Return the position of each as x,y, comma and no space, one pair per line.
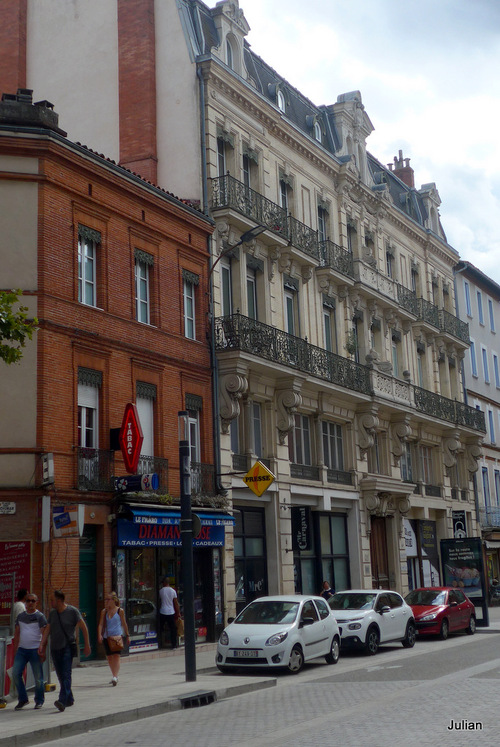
352,601
426,597
268,613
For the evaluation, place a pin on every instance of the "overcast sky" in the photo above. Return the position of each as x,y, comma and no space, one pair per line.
429,76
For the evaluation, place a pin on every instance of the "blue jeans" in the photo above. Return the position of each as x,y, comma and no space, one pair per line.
23,656
62,664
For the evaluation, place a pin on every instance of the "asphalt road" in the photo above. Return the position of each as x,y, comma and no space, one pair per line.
409,696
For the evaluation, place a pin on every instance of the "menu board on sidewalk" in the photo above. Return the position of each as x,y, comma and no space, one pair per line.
15,557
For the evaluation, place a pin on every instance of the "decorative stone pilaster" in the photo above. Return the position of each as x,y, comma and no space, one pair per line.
451,445
473,453
368,423
399,432
288,400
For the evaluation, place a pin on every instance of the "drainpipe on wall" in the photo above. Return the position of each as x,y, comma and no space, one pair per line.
215,372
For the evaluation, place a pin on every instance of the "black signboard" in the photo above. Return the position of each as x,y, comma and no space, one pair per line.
301,528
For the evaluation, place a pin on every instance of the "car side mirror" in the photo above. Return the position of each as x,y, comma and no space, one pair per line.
306,621
230,620
384,609
453,604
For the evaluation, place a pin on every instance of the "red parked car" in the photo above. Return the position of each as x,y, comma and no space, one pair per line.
442,610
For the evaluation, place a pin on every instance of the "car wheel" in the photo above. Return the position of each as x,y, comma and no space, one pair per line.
296,660
410,637
372,641
472,626
333,656
443,633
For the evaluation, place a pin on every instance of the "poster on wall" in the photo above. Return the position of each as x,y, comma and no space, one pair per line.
462,561
15,557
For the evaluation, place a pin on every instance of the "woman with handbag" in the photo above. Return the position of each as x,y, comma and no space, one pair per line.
111,631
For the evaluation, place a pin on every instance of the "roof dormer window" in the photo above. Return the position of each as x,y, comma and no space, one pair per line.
281,101
317,132
229,55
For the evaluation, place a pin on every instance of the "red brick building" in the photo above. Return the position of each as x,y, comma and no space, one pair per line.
115,269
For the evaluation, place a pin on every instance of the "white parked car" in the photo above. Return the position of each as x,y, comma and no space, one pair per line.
280,631
367,618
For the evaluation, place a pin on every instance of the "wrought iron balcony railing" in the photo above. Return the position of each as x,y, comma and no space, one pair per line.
334,256
427,312
150,464
408,299
228,192
489,516
95,469
449,409
339,476
454,326
304,472
202,480
303,237
237,332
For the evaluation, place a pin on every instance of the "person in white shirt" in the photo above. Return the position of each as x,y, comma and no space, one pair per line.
169,612
27,638
19,605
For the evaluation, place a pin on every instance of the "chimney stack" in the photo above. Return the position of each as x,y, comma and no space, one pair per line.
403,170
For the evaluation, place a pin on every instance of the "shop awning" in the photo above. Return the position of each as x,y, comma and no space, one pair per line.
492,544
159,515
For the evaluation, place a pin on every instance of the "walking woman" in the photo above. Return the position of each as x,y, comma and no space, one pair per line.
112,624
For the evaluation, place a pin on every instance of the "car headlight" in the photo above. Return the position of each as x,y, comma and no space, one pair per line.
354,626
224,639
276,639
432,616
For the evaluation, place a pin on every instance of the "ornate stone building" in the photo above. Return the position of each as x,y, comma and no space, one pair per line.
338,352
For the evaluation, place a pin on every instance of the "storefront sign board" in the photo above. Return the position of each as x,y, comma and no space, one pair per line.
259,478
15,557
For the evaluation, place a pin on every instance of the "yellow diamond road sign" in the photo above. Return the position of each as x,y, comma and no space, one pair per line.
259,478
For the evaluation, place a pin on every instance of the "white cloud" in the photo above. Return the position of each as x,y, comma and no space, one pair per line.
428,75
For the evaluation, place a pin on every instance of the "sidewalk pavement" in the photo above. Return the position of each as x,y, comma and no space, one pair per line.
149,684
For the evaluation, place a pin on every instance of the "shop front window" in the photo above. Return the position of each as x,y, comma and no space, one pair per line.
142,600
250,564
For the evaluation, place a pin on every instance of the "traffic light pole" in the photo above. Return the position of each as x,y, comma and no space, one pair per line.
187,547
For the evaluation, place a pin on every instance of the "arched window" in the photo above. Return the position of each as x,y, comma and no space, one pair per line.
281,101
317,132
229,55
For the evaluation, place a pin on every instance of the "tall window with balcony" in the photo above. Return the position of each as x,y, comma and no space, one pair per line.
145,403
389,263
190,283
226,286
329,325
200,477
285,193
333,452
91,462
414,280
89,241
322,223
299,448
143,269
428,471
251,293
291,310
377,455
395,350
405,462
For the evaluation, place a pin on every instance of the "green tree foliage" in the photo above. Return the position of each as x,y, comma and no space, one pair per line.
15,327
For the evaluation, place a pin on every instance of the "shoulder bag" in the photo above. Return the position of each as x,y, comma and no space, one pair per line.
115,642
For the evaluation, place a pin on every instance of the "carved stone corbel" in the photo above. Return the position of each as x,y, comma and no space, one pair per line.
232,387
473,453
274,255
287,401
380,504
451,445
285,263
399,435
368,423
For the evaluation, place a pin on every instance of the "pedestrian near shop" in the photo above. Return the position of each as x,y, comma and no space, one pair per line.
169,612
64,621
19,604
111,628
26,642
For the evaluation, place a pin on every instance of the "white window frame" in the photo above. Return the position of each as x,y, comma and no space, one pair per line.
473,361
486,370
317,132
87,275
491,314
142,295
300,437
145,411
88,405
189,309
426,465
291,312
333,445
480,312
329,329
280,100
468,305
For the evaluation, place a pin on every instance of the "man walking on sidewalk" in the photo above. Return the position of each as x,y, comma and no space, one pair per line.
64,619
26,642
169,612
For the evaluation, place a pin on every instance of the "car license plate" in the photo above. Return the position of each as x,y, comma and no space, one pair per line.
250,653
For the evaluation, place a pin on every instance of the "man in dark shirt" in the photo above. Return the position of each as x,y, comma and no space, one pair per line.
63,623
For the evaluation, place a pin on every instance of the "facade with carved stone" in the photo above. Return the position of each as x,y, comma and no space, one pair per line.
338,352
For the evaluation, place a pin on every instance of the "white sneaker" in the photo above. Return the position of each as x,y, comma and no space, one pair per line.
114,681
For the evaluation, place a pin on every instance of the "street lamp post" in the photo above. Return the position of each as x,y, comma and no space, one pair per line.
187,547
244,239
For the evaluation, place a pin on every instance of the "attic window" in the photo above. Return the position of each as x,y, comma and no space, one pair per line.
281,101
229,55
317,132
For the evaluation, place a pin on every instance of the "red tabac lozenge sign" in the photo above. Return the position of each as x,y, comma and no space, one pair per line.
131,438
